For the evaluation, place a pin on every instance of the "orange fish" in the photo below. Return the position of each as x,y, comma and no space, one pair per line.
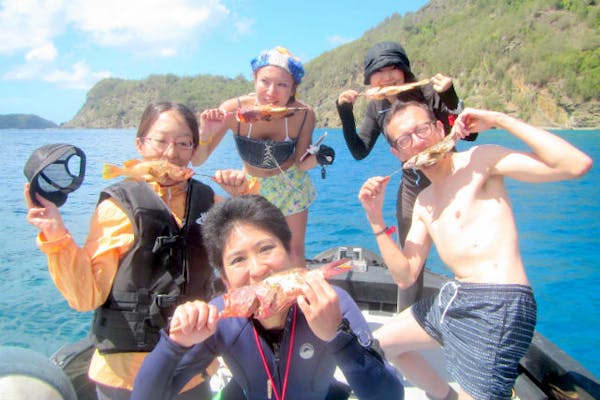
253,186
160,171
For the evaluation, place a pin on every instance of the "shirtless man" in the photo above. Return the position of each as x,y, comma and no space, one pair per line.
485,317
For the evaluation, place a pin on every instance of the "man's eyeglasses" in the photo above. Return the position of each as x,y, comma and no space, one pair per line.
405,140
162,144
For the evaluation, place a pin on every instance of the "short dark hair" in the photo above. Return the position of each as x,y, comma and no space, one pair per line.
153,111
400,107
247,209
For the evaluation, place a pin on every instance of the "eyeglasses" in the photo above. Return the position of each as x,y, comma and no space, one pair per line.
422,130
162,144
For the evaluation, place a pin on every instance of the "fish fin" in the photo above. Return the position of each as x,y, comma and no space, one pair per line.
131,163
253,186
110,171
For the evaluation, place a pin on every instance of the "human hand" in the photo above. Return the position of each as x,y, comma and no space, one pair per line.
348,96
474,120
46,218
193,322
441,83
320,305
233,181
371,196
211,121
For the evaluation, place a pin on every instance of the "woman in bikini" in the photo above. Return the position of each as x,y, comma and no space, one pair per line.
271,150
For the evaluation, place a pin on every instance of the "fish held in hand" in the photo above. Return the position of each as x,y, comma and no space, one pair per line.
252,114
160,171
432,154
275,293
380,93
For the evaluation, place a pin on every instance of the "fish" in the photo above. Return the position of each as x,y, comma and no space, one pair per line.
381,92
160,171
275,293
264,113
432,154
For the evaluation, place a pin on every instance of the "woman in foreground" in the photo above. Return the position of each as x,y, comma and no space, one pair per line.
291,354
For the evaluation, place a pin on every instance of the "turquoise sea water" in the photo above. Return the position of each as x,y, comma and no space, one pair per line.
558,223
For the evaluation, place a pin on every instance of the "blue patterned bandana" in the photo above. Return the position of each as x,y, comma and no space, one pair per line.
282,58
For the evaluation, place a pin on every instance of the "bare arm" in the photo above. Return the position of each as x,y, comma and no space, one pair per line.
552,158
214,123
404,264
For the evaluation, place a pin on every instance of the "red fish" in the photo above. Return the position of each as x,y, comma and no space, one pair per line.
276,292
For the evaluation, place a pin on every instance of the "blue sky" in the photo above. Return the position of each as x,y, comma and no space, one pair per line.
53,51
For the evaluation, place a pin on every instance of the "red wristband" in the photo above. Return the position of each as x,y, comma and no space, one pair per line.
388,230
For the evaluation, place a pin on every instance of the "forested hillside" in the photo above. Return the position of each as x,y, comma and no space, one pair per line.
537,59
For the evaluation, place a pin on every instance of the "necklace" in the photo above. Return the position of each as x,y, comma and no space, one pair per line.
271,389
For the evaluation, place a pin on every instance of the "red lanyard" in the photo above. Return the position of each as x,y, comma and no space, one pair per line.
271,382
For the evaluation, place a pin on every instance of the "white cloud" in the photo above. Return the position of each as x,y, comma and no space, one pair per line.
27,24
44,53
242,26
160,28
145,26
79,77
22,72
136,25
336,40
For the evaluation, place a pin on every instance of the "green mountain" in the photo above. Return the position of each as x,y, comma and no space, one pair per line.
536,59
24,121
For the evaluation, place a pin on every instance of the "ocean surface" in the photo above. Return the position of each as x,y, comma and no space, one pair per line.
558,223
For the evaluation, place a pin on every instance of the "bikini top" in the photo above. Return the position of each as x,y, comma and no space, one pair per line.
265,153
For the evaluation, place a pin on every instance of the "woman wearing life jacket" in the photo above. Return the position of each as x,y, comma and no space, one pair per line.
143,254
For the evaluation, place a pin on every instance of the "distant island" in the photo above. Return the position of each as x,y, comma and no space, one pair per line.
24,121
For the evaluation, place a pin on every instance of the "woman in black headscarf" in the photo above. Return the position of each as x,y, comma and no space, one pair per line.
386,64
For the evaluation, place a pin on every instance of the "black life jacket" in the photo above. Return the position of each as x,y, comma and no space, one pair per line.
166,266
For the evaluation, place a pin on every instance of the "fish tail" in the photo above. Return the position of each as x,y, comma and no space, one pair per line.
336,267
110,171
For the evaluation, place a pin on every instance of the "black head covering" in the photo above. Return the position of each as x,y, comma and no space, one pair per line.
383,54
54,171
